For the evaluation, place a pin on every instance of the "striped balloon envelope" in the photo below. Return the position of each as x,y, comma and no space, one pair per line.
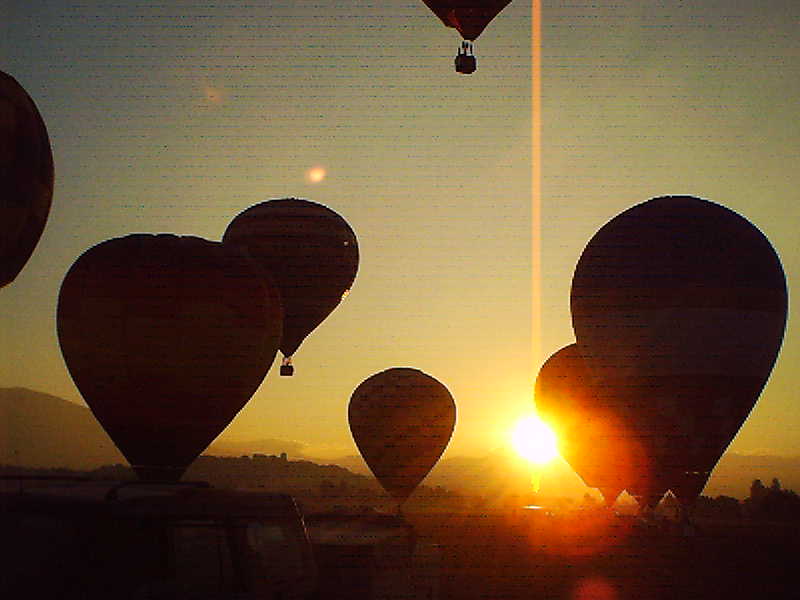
679,308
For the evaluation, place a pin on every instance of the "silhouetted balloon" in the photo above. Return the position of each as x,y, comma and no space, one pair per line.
26,177
679,308
687,485
166,338
401,420
590,437
468,17
308,251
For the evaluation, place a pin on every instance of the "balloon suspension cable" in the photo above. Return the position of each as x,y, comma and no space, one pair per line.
287,370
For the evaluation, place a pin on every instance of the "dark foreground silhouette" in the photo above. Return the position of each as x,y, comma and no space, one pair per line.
731,551
610,559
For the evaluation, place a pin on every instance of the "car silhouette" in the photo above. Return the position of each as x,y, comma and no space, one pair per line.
72,538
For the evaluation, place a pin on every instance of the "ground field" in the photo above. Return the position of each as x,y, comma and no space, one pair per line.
585,558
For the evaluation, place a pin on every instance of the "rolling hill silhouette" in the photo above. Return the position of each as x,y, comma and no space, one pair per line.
41,430
44,431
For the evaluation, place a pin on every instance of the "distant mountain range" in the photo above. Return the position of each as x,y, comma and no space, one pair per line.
41,430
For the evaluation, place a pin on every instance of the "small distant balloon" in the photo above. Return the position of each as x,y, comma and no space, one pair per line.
307,251
401,420
166,338
26,177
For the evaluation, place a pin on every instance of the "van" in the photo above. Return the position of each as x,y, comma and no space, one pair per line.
138,540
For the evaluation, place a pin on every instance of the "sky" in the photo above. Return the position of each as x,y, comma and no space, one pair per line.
174,117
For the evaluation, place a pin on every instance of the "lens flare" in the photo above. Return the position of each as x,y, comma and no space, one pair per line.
213,95
534,440
594,588
315,174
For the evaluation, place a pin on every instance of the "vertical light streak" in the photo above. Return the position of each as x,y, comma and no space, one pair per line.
536,184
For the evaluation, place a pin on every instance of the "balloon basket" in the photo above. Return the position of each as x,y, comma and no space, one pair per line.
287,370
465,59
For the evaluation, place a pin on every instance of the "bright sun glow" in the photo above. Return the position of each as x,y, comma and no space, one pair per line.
534,440
315,174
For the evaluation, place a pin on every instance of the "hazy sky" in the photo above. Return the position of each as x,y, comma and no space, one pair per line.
174,117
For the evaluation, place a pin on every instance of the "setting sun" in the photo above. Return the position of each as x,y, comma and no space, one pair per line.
534,440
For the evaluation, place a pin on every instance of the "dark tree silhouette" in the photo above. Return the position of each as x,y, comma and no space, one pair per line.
757,490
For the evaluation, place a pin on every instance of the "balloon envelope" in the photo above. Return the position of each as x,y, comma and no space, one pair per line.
166,338
590,437
401,420
26,177
307,250
469,17
679,308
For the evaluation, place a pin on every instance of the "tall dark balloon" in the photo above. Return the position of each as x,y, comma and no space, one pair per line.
401,420
166,338
307,250
26,177
679,309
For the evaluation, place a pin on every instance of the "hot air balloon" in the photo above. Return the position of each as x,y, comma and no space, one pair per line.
307,251
679,309
590,437
166,338
469,18
401,420
26,177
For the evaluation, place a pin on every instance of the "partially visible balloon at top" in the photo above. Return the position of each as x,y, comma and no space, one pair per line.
307,251
26,177
469,18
